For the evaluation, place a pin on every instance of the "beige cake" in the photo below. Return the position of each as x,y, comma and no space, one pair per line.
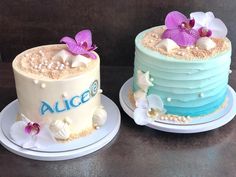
60,90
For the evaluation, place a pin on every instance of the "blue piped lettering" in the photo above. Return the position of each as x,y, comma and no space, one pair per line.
85,97
45,107
73,102
57,109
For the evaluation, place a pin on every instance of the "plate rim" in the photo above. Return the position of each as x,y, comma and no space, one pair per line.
185,128
65,155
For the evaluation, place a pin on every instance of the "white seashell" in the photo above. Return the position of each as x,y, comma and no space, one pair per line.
60,129
99,117
63,56
143,80
139,95
205,43
167,45
79,60
68,121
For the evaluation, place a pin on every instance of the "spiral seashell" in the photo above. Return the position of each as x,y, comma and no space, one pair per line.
99,117
60,129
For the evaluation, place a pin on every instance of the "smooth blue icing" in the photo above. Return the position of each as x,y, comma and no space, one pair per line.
184,80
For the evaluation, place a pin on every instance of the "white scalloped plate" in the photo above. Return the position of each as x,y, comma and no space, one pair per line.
195,125
62,151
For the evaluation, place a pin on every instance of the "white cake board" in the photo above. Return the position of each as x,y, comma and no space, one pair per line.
201,124
62,151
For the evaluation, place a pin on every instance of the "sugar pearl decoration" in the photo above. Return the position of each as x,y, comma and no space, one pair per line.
41,52
49,65
169,99
100,91
65,94
43,85
230,71
36,81
61,67
201,95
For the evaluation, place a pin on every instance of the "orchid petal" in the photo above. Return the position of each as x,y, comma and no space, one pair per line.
68,40
209,16
199,18
44,138
142,103
218,28
155,101
72,45
30,143
89,54
181,37
140,116
84,36
174,19
18,134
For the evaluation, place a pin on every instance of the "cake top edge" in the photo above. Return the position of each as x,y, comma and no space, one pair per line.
59,61
200,37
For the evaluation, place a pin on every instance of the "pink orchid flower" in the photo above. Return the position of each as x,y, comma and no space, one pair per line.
180,29
81,45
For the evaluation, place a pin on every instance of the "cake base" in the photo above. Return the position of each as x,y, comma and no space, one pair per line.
62,151
196,124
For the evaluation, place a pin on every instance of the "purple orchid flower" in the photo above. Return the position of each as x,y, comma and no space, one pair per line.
180,29
81,45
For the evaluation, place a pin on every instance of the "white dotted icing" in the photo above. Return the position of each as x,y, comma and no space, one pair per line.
36,81
43,85
65,94
201,95
169,99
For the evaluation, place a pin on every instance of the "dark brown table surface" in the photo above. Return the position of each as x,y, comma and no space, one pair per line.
136,150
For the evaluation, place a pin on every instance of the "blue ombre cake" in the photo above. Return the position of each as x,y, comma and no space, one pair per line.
190,80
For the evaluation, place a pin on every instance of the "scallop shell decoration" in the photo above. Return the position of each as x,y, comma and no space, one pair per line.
205,43
167,45
74,61
60,129
99,117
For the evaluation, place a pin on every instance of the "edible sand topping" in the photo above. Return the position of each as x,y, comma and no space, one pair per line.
53,62
153,40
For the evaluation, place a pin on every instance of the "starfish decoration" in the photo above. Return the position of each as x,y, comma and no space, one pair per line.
143,80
